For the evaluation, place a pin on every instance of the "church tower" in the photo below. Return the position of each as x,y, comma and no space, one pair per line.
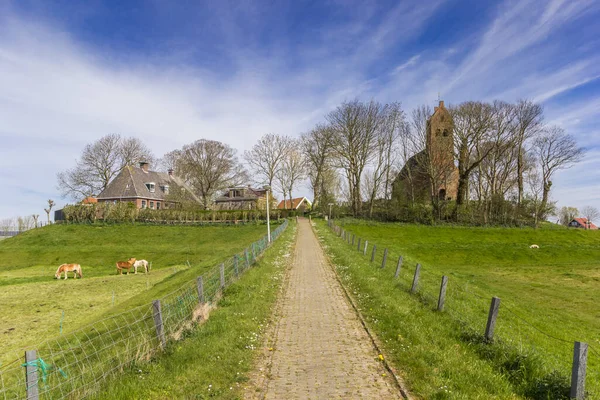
440,150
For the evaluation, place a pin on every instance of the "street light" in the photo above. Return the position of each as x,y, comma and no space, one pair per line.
267,188
330,204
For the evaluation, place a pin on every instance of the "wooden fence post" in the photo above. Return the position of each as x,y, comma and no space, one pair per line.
222,275
398,267
491,322
442,297
373,253
353,237
200,287
158,323
365,251
358,247
415,283
580,353
384,259
31,375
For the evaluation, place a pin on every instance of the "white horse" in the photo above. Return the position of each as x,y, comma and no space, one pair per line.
140,263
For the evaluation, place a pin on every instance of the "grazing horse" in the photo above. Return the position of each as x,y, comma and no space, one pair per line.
75,268
140,263
121,265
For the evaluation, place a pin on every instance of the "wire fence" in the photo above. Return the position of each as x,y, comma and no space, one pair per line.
74,366
470,306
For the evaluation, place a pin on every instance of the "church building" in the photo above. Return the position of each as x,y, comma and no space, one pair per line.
431,174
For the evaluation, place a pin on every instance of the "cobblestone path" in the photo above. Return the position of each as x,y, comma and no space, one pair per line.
321,348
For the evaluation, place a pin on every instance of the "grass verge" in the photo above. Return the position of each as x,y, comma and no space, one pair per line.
216,357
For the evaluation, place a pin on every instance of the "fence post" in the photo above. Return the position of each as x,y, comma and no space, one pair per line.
235,265
442,297
580,353
491,322
384,259
200,287
31,375
353,237
365,251
158,323
373,253
222,274
358,247
416,279
398,267
247,259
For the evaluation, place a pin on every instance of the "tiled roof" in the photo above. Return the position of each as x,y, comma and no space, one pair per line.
131,183
249,195
584,222
285,204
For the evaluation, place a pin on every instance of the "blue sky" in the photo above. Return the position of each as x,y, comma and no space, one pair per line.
173,72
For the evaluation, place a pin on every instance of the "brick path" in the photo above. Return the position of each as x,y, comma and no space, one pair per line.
321,349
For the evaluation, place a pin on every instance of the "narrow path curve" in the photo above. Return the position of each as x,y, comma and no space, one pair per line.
321,348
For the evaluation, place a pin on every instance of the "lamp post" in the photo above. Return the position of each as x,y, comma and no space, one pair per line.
267,188
330,204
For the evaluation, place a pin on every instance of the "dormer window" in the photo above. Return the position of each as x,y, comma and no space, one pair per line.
150,186
165,189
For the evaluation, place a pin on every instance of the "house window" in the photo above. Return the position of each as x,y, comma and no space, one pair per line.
445,133
150,186
442,194
165,189
158,205
143,203
152,205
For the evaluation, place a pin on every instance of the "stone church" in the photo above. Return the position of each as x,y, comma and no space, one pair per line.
431,174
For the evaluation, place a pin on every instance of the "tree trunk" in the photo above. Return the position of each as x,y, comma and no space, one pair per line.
545,194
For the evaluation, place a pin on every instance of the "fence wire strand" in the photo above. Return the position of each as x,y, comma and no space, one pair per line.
76,364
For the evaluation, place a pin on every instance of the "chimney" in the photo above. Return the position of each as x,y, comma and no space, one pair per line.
170,171
144,166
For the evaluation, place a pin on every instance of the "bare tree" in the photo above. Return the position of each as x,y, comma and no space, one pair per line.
292,170
208,166
49,209
356,127
591,214
316,147
554,150
472,125
100,162
266,156
530,117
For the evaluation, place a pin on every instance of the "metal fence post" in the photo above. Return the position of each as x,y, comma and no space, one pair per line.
247,258
200,287
580,353
384,259
358,247
222,275
235,265
398,267
31,375
491,322
353,237
373,253
416,279
365,251
442,297
158,323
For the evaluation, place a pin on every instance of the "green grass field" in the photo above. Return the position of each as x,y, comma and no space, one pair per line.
32,301
216,358
548,301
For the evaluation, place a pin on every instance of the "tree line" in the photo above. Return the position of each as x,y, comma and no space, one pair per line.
505,154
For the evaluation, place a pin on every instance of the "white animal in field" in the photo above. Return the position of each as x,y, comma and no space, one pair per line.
140,263
534,246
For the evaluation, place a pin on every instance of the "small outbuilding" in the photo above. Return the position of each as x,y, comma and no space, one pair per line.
582,223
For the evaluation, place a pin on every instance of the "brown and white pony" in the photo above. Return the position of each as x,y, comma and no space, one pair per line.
141,263
121,265
75,268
